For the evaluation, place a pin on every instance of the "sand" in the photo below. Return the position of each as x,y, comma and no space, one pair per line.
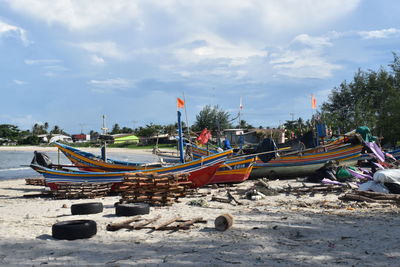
281,230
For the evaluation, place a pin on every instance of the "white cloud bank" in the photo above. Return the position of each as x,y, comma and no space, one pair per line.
7,29
77,14
380,34
193,16
111,85
19,82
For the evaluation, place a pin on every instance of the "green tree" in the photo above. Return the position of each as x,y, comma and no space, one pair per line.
94,135
38,129
8,131
244,125
212,118
150,130
116,129
371,99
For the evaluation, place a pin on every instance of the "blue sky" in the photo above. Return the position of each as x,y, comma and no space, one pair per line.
68,62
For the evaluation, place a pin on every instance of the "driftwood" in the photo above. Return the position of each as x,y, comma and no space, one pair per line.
181,224
233,198
372,197
221,199
140,225
164,224
186,224
377,195
124,224
317,188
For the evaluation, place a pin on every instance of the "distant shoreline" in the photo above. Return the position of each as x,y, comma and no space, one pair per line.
95,150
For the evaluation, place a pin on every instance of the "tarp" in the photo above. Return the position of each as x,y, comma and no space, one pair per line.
387,176
365,133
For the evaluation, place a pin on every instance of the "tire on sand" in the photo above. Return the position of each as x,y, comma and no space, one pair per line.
87,208
74,229
131,209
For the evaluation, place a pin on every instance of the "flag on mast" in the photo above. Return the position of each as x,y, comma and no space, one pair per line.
313,102
180,103
241,104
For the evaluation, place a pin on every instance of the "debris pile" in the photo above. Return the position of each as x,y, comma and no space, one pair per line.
152,188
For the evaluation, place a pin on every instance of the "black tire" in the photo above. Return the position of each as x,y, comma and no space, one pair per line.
132,209
75,229
87,208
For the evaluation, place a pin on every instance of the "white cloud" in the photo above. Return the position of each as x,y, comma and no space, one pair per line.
103,49
19,82
41,61
111,85
304,62
78,14
7,29
210,46
289,15
312,41
96,60
56,68
274,15
380,34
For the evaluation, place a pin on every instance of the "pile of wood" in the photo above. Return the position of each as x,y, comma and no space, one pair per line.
81,190
155,189
304,189
35,181
173,224
371,197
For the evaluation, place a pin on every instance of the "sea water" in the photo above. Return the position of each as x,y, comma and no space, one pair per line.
15,164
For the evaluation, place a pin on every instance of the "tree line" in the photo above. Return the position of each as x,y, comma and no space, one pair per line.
372,99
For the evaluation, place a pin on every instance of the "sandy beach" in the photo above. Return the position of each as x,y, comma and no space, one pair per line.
281,230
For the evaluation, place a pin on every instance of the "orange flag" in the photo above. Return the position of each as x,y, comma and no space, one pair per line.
313,102
180,103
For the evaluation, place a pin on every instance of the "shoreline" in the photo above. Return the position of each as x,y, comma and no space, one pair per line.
95,150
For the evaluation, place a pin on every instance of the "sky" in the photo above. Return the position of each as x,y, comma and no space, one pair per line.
69,62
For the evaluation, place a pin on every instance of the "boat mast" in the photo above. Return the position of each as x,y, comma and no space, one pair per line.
180,139
103,148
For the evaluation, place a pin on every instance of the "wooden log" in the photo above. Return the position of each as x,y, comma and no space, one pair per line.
220,199
377,195
223,222
189,223
233,198
124,224
261,181
166,223
364,198
140,225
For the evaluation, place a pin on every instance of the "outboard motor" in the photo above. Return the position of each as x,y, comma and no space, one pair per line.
266,145
41,159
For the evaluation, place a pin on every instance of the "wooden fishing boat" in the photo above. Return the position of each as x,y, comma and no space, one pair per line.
89,162
199,176
303,163
200,172
234,170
